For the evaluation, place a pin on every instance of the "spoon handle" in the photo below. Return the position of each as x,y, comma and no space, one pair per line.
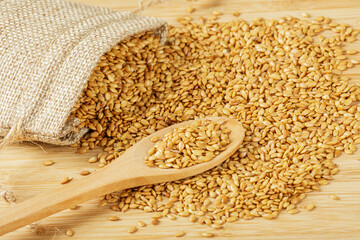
73,193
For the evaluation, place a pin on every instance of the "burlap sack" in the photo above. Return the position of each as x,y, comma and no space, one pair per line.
48,50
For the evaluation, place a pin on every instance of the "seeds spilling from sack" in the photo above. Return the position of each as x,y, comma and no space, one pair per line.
282,79
186,146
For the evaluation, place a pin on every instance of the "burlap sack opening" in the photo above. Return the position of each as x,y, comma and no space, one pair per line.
48,51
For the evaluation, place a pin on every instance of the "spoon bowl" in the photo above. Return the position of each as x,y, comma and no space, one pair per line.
128,170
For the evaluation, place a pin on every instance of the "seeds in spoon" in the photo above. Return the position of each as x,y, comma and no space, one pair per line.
186,146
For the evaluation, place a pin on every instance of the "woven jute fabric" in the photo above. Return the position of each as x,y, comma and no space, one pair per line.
48,50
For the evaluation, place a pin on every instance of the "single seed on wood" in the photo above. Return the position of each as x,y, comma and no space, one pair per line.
70,232
310,207
93,160
306,15
132,230
216,226
157,215
76,207
66,180
84,172
351,52
180,234
334,197
193,218
141,224
236,14
190,9
293,211
114,218
207,234
217,13
155,222
48,163
171,217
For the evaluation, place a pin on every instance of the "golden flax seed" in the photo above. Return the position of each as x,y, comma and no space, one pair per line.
85,172
180,234
66,180
207,234
48,163
70,232
114,218
141,224
191,9
155,222
132,230
305,14
334,197
310,207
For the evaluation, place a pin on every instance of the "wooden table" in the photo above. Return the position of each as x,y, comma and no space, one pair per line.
21,164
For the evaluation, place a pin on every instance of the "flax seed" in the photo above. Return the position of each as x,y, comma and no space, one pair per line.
70,232
48,163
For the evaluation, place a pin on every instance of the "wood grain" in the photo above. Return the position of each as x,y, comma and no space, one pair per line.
23,169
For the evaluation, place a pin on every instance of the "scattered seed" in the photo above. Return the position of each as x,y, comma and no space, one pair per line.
306,15
85,172
334,197
70,232
207,234
48,163
193,218
76,207
217,13
93,160
132,230
155,222
310,207
293,211
141,224
190,9
351,52
216,226
171,217
157,215
180,234
236,14
114,218
66,180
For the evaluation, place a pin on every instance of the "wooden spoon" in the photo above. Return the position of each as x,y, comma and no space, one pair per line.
127,171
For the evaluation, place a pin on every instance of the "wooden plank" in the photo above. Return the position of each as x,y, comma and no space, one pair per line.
21,164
